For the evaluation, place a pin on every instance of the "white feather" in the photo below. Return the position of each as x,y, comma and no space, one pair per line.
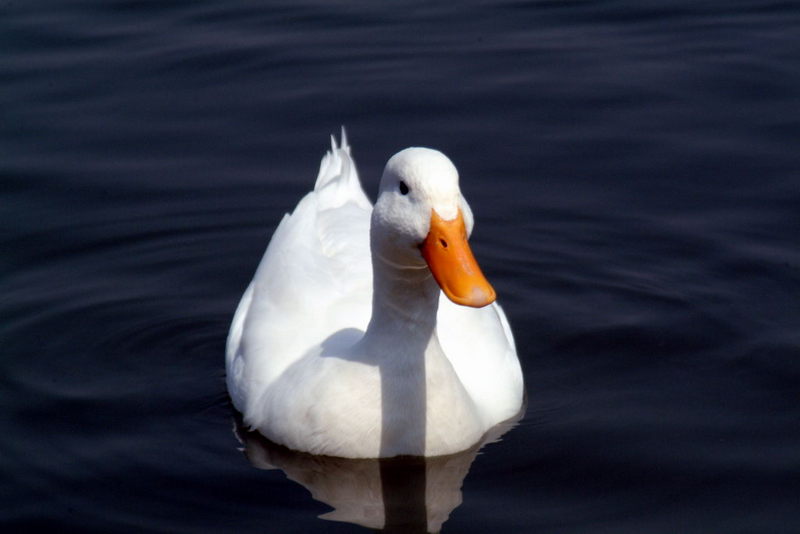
300,371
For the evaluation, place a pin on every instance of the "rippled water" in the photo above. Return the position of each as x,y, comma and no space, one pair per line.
634,171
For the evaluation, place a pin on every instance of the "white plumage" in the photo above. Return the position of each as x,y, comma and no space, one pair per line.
327,358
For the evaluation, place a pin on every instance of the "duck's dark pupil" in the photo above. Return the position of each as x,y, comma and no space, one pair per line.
403,188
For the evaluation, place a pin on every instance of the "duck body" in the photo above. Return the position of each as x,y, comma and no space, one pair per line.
344,343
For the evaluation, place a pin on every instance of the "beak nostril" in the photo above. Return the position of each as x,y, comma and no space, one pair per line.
443,242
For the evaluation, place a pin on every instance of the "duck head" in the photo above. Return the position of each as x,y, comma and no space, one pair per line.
421,221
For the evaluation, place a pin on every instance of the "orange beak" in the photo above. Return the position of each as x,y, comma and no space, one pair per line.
453,266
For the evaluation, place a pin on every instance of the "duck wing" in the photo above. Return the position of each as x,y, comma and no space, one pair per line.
479,345
314,279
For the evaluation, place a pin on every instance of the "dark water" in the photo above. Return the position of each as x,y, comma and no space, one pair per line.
635,174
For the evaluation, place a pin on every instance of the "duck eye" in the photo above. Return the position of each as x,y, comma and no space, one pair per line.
403,188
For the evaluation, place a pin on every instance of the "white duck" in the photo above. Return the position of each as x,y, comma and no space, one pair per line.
331,352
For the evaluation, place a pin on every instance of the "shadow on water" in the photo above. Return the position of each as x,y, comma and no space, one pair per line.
410,494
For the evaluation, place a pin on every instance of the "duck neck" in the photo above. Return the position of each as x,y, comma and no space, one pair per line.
405,301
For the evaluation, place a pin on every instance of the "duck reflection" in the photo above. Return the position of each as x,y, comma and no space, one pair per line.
401,494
